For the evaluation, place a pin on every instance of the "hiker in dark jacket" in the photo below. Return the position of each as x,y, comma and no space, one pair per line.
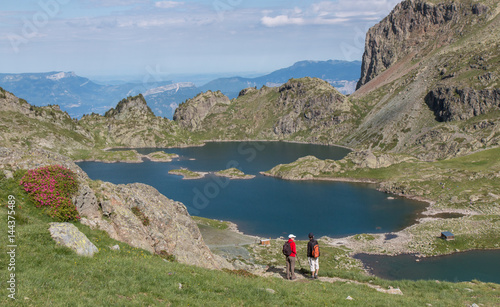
313,256
290,260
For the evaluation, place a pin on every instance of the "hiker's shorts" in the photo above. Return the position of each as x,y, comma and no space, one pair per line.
313,263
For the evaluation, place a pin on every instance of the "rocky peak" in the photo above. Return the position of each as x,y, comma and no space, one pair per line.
412,28
132,107
193,111
314,102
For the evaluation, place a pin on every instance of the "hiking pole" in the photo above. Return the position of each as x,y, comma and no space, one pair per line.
298,260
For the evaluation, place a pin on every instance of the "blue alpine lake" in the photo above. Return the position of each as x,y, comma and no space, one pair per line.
266,206
464,266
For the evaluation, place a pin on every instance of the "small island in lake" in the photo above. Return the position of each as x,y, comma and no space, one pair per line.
234,173
161,156
187,174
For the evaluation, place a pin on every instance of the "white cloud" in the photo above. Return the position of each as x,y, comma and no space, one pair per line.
331,12
113,3
173,106
168,4
75,105
329,21
281,20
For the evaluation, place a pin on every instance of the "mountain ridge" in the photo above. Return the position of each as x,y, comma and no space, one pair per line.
80,95
336,72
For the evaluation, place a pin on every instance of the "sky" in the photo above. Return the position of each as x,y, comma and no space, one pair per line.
140,37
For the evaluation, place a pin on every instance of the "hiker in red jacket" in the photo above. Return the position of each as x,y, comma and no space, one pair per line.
290,260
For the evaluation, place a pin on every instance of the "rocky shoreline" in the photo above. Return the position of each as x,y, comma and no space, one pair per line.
312,178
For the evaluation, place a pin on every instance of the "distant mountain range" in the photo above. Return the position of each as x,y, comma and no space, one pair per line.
340,74
79,95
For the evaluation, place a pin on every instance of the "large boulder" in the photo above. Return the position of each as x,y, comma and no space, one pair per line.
68,235
140,216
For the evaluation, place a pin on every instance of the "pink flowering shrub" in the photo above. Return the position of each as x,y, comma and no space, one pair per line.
52,188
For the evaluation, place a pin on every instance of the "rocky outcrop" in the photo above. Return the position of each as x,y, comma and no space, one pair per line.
111,208
308,103
437,55
310,167
450,103
131,107
139,215
68,235
191,113
412,26
305,109
369,159
305,168
131,124
86,202
25,125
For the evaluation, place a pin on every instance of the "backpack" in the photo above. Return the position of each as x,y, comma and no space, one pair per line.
287,249
315,251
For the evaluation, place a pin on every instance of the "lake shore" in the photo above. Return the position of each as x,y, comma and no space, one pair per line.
139,157
333,179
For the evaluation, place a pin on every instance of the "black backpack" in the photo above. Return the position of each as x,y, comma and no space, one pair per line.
287,249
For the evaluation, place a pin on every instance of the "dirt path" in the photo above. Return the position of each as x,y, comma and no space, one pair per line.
279,271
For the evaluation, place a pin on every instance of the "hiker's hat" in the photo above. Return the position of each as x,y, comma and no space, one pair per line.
311,235
291,236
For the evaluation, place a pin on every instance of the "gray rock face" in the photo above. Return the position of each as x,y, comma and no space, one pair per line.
68,235
158,224
450,104
130,107
407,30
309,103
191,113
86,202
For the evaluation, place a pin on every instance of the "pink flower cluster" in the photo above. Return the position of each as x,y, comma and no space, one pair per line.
52,187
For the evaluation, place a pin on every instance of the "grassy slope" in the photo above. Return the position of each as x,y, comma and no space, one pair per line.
48,274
